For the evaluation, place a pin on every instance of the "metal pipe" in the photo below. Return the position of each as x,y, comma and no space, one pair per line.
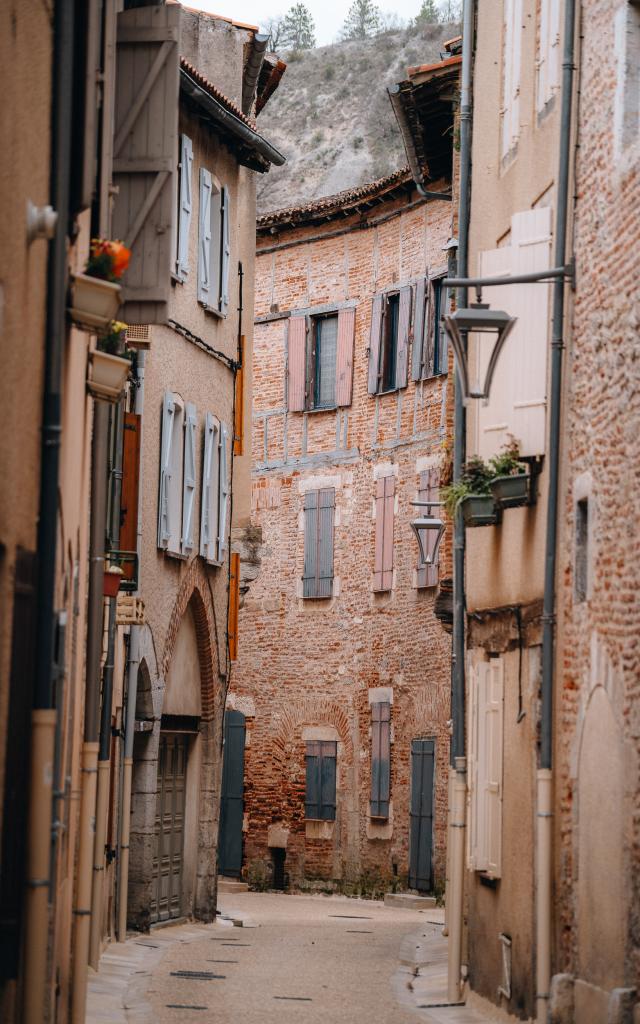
545,784
82,908
487,282
252,70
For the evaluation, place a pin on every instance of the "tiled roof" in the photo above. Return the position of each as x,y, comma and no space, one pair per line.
421,69
213,91
343,202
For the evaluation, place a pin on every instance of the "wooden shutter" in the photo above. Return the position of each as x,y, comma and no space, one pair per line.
427,574
189,479
320,794
130,489
317,578
84,116
186,207
164,524
225,212
344,358
312,791
238,408
204,239
420,322
375,339
296,345
223,493
145,156
209,498
380,759
234,604
404,325
383,563
492,780
430,328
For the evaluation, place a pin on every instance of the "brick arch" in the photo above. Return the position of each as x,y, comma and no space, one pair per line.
194,591
309,711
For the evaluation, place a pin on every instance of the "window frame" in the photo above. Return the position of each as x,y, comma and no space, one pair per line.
314,322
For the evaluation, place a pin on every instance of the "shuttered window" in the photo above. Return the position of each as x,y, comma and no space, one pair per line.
380,759
214,244
429,336
234,604
317,578
185,207
548,58
511,59
320,795
320,360
223,492
383,559
130,490
428,572
144,156
210,490
485,766
189,480
171,463
389,341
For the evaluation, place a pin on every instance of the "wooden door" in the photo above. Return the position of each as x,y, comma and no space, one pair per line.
169,827
421,816
232,800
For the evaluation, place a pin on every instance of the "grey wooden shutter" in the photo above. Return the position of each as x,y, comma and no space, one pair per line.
380,759
344,358
204,239
210,490
312,791
374,345
428,573
296,356
164,525
145,156
431,326
225,201
186,207
328,780
404,325
420,319
317,579
223,494
189,479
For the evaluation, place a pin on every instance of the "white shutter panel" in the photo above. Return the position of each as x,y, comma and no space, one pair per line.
204,239
482,682
494,719
223,494
189,479
226,249
472,773
186,206
515,81
164,525
209,509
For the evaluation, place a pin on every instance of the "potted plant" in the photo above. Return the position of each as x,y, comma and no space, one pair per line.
111,581
95,294
510,482
472,493
110,363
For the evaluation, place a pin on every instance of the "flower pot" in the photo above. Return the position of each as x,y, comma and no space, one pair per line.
94,302
479,510
511,491
111,581
107,375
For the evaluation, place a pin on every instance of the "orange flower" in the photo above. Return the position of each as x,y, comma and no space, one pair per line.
121,256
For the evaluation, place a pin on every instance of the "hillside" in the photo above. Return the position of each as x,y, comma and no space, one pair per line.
331,115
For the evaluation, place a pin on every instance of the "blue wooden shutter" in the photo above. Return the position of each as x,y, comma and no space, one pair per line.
185,208
402,347
375,338
328,780
226,249
420,322
312,792
380,759
318,543
428,573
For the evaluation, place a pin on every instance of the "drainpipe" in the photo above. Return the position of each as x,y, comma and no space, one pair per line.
544,776
459,783
130,719
43,720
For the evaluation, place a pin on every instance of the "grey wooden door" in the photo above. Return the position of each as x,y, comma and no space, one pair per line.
232,800
169,827
421,816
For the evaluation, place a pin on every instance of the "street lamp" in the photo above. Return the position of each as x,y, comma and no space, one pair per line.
478,318
428,527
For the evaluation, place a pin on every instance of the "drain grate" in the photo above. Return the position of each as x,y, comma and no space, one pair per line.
359,931
184,1006
197,975
223,938
223,961
295,999
352,917
237,945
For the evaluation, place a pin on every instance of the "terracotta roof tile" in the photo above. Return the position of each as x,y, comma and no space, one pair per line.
213,91
216,17
421,69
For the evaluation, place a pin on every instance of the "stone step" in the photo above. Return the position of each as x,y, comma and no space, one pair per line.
226,885
409,901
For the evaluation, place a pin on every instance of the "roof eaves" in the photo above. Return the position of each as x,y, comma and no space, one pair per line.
433,70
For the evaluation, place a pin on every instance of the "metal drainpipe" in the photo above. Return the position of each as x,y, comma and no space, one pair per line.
43,721
459,782
130,715
544,775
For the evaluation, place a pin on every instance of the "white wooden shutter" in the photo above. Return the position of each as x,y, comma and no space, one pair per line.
472,772
209,499
223,494
226,249
493,742
204,239
186,207
511,61
164,524
145,153
189,479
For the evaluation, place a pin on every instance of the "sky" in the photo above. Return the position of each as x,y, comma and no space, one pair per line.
328,15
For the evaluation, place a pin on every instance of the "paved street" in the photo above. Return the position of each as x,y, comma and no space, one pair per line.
276,958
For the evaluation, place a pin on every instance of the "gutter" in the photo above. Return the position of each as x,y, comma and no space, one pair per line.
407,138
265,152
252,70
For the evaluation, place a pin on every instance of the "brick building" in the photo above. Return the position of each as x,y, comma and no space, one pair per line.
343,670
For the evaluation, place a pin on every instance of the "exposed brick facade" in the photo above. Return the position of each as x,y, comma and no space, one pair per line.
308,665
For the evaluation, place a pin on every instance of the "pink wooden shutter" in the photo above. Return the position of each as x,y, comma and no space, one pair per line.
296,372
374,344
383,561
428,574
402,350
344,360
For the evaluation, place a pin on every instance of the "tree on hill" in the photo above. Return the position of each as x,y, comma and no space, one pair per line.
273,28
362,21
428,14
298,29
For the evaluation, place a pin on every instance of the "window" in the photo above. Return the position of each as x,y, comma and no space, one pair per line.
486,693
389,341
320,360
184,208
428,573
214,246
627,48
129,497
582,550
171,461
320,796
380,759
215,491
548,61
383,559
317,578
429,336
511,56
